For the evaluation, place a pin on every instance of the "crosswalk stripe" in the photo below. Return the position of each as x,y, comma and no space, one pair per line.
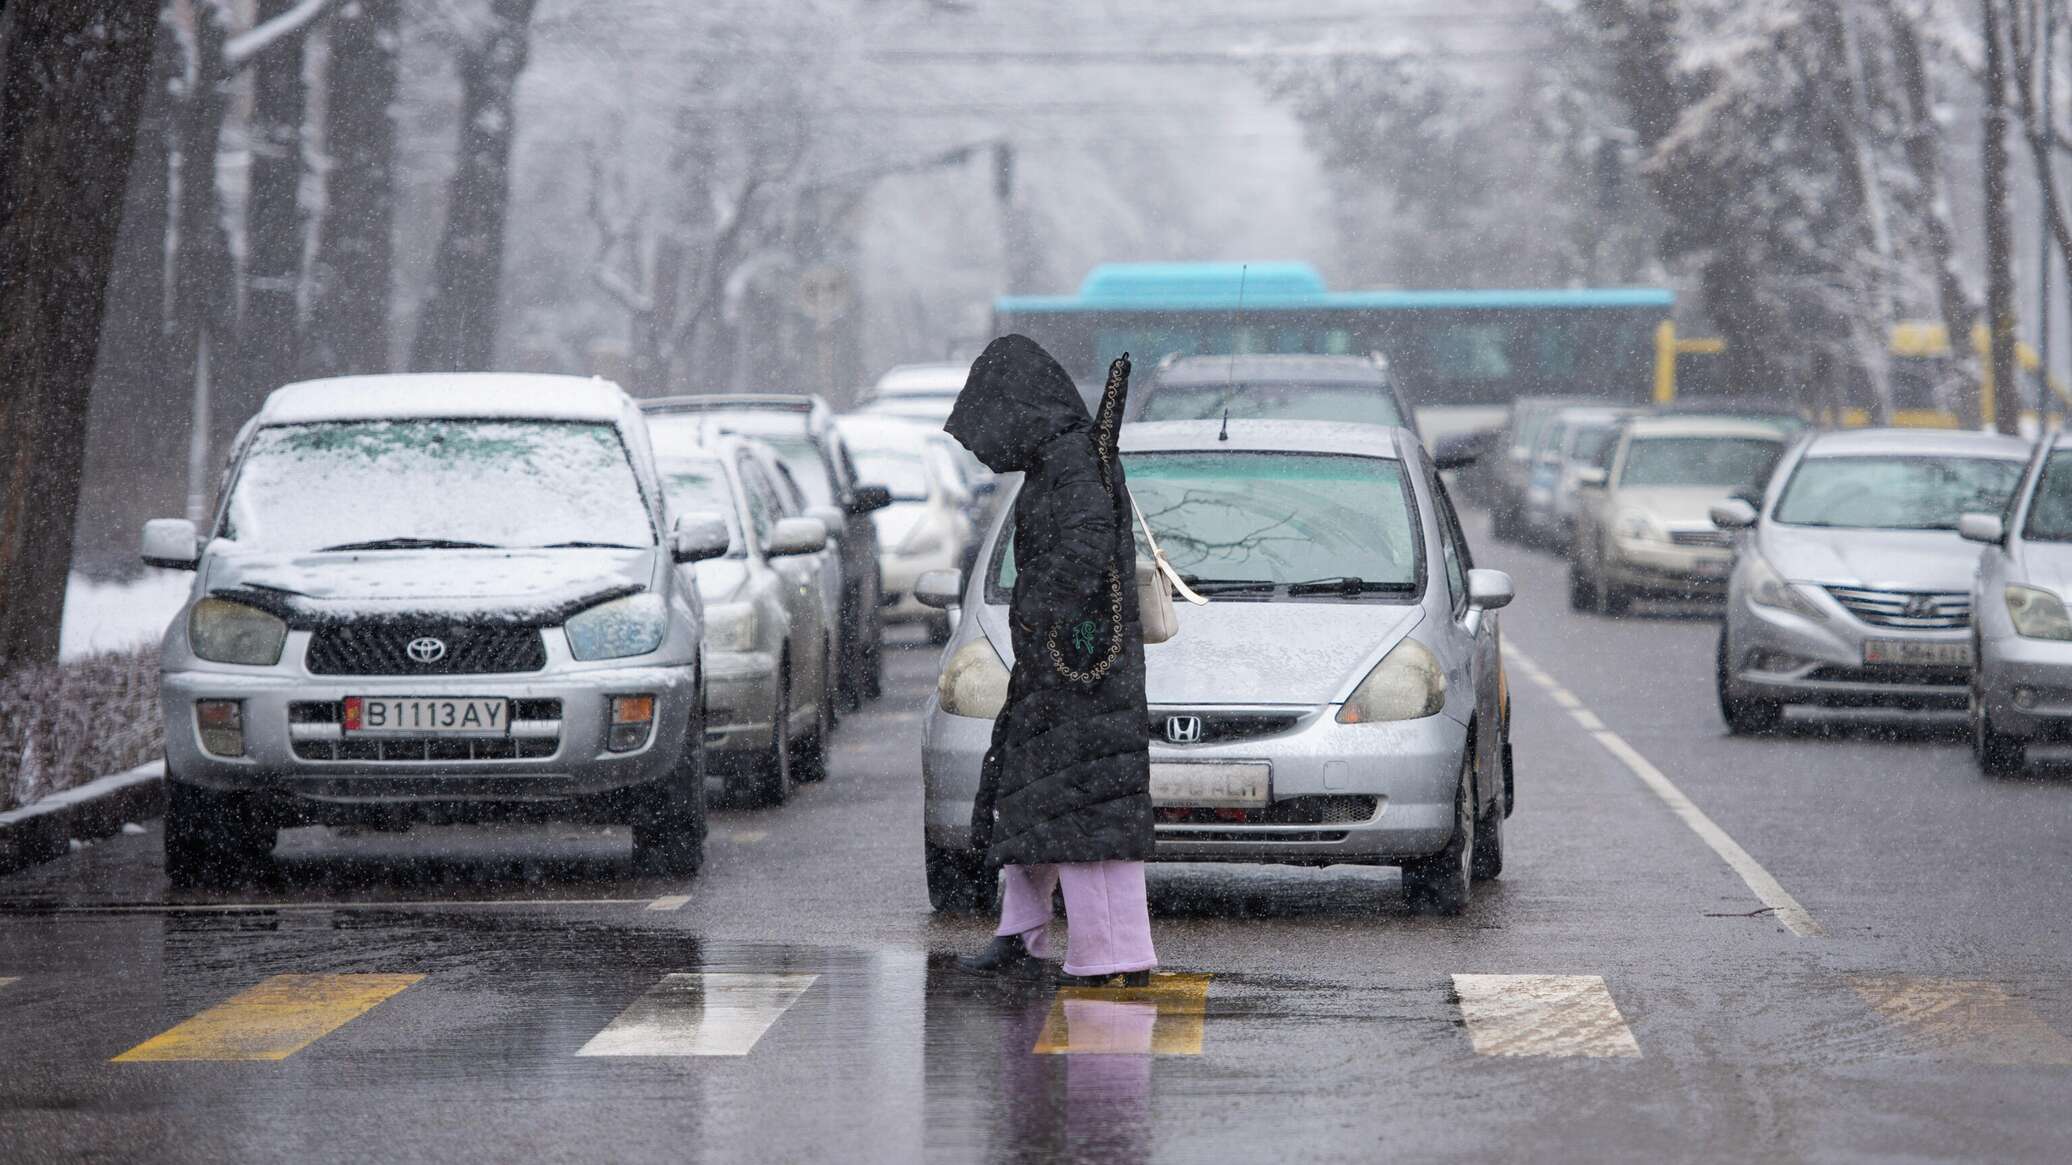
272,1020
1164,1019
1964,1019
711,1013
1543,1015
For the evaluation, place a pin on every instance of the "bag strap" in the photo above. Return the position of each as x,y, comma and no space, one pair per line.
1158,557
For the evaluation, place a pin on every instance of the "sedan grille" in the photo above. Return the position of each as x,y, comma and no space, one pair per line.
1326,809
1906,610
361,649
1211,727
1717,539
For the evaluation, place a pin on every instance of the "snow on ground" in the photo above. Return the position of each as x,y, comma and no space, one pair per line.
109,616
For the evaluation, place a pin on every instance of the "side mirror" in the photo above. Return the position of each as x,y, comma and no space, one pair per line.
1489,589
831,517
794,536
1986,528
697,537
869,499
171,543
1458,450
1593,477
940,589
1732,514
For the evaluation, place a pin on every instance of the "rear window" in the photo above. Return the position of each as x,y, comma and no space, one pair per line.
1726,462
1370,404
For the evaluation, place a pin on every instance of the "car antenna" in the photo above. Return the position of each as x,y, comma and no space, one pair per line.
1230,366
1223,434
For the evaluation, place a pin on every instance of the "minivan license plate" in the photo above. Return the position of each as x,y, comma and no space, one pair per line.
1917,653
425,716
1211,785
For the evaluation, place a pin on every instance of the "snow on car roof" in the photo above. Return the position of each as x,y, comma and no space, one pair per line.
942,379
1916,443
1254,436
445,394
1673,426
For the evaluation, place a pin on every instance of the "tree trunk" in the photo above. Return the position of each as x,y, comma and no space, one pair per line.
457,328
72,75
349,314
202,272
2026,62
267,336
2007,401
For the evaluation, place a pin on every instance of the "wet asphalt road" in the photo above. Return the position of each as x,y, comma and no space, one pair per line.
457,995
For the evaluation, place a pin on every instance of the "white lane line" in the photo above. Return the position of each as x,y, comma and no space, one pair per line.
669,902
18,909
708,1013
1565,698
1767,888
748,836
1964,1019
1543,1015
6,979
1587,718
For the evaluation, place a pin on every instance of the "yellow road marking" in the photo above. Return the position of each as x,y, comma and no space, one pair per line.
1543,1015
272,1020
1164,1019
1964,1019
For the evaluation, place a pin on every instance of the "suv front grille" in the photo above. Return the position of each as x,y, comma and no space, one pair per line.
1717,539
1906,610
316,729
383,649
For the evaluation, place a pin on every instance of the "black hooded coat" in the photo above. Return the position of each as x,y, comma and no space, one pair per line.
1067,778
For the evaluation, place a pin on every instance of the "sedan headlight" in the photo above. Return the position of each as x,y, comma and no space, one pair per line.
974,682
730,627
2038,614
221,631
1406,685
634,625
1767,588
1639,527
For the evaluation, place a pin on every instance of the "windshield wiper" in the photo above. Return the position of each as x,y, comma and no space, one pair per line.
582,545
411,544
1227,586
1346,585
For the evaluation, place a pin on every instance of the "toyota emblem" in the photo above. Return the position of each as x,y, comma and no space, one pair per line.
1183,729
425,649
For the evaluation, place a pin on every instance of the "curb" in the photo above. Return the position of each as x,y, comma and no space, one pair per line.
44,830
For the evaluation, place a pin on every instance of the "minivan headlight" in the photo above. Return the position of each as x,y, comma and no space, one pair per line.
634,625
974,682
1406,685
222,631
2037,613
730,627
1768,588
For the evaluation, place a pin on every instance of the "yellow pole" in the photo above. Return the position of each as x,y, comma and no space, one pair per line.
1665,362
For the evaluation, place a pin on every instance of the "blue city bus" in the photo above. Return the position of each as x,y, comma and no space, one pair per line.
1447,348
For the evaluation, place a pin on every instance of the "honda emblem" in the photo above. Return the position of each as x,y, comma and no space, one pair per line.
1183,729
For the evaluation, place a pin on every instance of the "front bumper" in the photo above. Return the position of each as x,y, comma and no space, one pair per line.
1411,767
740,702
1666,568
1777,655
562,766
2027,687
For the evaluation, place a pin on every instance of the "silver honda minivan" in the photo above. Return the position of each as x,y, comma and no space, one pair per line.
434,598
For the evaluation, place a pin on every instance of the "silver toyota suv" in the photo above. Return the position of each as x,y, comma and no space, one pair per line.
434,598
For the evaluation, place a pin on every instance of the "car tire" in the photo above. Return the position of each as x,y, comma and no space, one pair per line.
771,785
212,838
1744,715
874,666
1443,882
853,658
959,881
1488,855
939,629
1613,600
1581,595
669,826
1999,755
809,762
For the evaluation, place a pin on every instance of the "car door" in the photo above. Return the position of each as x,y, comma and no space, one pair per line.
789,582
1475,636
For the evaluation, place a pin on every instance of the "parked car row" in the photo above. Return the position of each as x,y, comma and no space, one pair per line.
491,597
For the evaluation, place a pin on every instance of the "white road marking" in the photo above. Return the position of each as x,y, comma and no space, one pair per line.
304,907
1543,1015
748,836
1587,719
669,902
1565,698
6,979
1964,1019
1766,887
708,1013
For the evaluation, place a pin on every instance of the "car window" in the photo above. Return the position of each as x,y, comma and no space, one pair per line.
2050,509
1894,492
1588,443
1698,461
1370,404
1453,551
808,468
499,482
1273,519
900,470
762,508
701,486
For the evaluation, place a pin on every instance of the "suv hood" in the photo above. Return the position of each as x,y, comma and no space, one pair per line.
1242,652
512,583
1925,560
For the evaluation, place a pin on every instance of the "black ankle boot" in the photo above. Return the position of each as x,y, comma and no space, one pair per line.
1006,956
1121,979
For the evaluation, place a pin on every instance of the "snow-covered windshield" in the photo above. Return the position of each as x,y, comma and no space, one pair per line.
690,487
1698,461
1273,400
411,484
1895,493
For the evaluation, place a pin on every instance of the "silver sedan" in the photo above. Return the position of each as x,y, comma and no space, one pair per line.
2021,677
1339,700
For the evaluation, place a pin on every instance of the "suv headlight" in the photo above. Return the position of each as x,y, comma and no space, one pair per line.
2037,613
634,625
1767,588
221,631
1637,526
730,627
974,682
1406,685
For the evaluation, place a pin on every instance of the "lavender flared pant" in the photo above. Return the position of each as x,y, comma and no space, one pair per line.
1108,923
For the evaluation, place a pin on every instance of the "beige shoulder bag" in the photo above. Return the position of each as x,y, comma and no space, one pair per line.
1156,582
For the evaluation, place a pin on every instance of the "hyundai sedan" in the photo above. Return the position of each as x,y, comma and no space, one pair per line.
2021,635
1339,700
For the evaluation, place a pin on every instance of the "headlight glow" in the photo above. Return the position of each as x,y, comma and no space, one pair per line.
730,627
222,631
973,682
1767,588
2038,614
634,625
1406,685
